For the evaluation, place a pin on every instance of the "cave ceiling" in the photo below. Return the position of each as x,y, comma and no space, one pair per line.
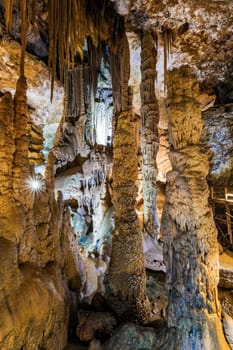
201,33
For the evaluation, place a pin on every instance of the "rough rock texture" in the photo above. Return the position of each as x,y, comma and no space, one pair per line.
127,272
162,159
149,142
225,270
191,249
91,324
41,110
39,252
217,142
228,328
83,156
39,261
132,337
199,35
36,145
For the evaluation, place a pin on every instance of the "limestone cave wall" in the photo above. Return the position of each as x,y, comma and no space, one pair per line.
123,158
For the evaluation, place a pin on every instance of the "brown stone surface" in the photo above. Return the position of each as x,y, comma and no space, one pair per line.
127,271
226,270
149,142
217,143
39,259
38,82
91,324
191,249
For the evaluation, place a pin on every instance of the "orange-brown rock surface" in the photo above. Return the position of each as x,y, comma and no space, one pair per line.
191,248
39,260
95,160
149,146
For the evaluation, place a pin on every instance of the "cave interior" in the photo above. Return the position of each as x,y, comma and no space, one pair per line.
116,175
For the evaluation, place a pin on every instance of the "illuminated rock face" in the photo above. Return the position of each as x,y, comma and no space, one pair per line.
127,272
150,118
217,142
39,258
38,248
191,248
83,156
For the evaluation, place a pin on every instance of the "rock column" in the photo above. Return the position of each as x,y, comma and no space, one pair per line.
22,140
7,148
150,118
191,247
127,272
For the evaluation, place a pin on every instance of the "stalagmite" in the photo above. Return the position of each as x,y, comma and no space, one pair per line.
191,248
150,118
6,156
22,139
127,271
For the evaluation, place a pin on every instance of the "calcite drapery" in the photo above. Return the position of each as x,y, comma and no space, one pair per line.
191,248
150,118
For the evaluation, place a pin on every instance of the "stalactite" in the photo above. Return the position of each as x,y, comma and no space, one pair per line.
169,36
150,118
8,13
74,91
67,31
27,12
120,72
95,55
24,28
7,149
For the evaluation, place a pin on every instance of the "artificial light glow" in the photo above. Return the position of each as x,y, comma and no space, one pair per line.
34,184
229,197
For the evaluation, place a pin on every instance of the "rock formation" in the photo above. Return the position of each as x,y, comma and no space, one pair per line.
191,248
82,180
39,260
127,272
150,116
